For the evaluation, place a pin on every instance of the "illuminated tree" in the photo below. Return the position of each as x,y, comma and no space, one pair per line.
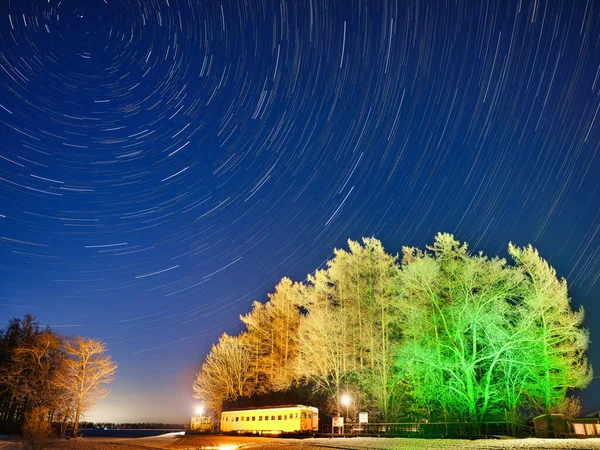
37,428
35,365
482,337
558,341
272,336
458,327
31,361
324,351
363,283
48,378
225,375
283,311
86,367
258,341
447,335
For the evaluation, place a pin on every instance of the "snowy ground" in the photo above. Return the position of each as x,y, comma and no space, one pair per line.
177,442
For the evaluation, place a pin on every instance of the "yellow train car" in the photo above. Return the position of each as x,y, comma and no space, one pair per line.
287,419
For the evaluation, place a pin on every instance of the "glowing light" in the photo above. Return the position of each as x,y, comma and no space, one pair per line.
199,410
346,400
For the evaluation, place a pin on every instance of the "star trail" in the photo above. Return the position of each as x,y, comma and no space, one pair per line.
165,162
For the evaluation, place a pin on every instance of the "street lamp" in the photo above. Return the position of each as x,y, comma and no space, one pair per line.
199,410
346,402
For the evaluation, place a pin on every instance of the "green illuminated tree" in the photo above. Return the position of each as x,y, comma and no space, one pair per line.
482,338
558,341
458,326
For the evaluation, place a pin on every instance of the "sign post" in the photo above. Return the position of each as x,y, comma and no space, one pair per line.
337,422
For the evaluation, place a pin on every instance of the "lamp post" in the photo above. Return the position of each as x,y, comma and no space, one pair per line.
346,402
199,410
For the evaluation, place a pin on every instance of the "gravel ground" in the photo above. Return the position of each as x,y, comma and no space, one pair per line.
177,442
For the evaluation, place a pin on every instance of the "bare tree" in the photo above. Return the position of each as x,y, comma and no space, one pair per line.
86,368
34,366
225,375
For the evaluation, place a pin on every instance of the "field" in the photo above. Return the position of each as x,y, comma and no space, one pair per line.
177,441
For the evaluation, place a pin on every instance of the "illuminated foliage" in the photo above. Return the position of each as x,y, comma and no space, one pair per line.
483,339
86,368
346,333
46,377
558,341
444,335
363,282
325,352
272,336
457,327
225,375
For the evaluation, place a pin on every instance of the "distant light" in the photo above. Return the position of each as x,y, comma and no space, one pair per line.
199,410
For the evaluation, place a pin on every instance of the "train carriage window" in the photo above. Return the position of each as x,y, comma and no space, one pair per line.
296,415
259,418
236,419
309,415
278,417
248,419
242,418
285,417
304,415
266,417
253,418
272,417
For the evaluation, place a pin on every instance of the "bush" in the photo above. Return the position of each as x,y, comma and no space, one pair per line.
36,429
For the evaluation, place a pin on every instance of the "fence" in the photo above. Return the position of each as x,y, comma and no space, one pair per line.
433,429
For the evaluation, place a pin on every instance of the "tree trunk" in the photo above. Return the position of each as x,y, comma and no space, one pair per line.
76,421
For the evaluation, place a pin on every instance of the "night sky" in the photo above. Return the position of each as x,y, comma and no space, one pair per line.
165,162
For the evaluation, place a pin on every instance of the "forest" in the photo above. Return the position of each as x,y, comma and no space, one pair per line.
439,334
48,379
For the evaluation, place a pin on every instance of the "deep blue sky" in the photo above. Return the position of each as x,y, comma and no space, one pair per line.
165,162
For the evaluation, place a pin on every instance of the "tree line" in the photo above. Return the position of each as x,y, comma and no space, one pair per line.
439,334
132,425
47,378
